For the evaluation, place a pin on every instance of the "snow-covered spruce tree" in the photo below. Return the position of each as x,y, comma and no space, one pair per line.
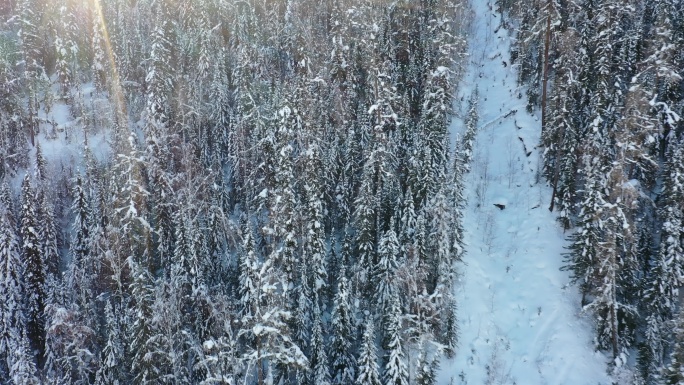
265,321
40,170
426,367
396,365
343,332
250,267
315,253
319,364
48,234
221,359
471,125
167,355
183,296
139,328
186,271
224,145
283,213
23,367
81,272
29,16
99,63
70,343
130,228
662,68
433,126
581,260
612,303
157,139
385,272
112,370
71,312
368,359
12,321
66,47
440,244
665,279
34,269
303,319
530,53
673,373
365,221
560,140
407,224
457,202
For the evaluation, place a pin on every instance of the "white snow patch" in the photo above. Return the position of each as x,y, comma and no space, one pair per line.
519,318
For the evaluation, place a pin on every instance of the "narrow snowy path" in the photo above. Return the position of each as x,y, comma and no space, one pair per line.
519,319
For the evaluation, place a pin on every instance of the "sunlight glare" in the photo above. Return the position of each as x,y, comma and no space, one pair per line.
115,82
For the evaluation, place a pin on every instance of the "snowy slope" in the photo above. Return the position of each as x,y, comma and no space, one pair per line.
520,321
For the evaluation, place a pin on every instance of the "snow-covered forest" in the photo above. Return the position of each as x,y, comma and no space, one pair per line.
273,192
209,192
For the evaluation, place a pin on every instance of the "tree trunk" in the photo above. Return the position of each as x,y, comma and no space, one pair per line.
556,171
546,68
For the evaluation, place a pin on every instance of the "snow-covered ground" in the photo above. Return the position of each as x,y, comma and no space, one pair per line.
520,320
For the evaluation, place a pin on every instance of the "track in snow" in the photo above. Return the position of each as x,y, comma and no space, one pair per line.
519,319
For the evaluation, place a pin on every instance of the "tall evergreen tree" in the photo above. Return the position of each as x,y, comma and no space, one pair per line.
12,322
368,360
341,354
396,367
34,269
320,373
674,372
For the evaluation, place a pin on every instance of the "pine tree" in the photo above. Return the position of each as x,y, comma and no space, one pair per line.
319,358
48,233
250,267
385,271
471,122
220,359
34,269
368,360
12,321
66,48
111,371
365,225
139,330
23,369
283,210
426,368
98,66
662,293
341,355
396,370
32,55
315,247
266,326
304,312
582,259
82,268
70,344
674,372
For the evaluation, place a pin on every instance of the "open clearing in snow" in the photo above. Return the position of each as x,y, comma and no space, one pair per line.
519,319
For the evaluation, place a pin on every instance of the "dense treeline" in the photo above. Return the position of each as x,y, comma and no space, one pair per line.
277,200
613,146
